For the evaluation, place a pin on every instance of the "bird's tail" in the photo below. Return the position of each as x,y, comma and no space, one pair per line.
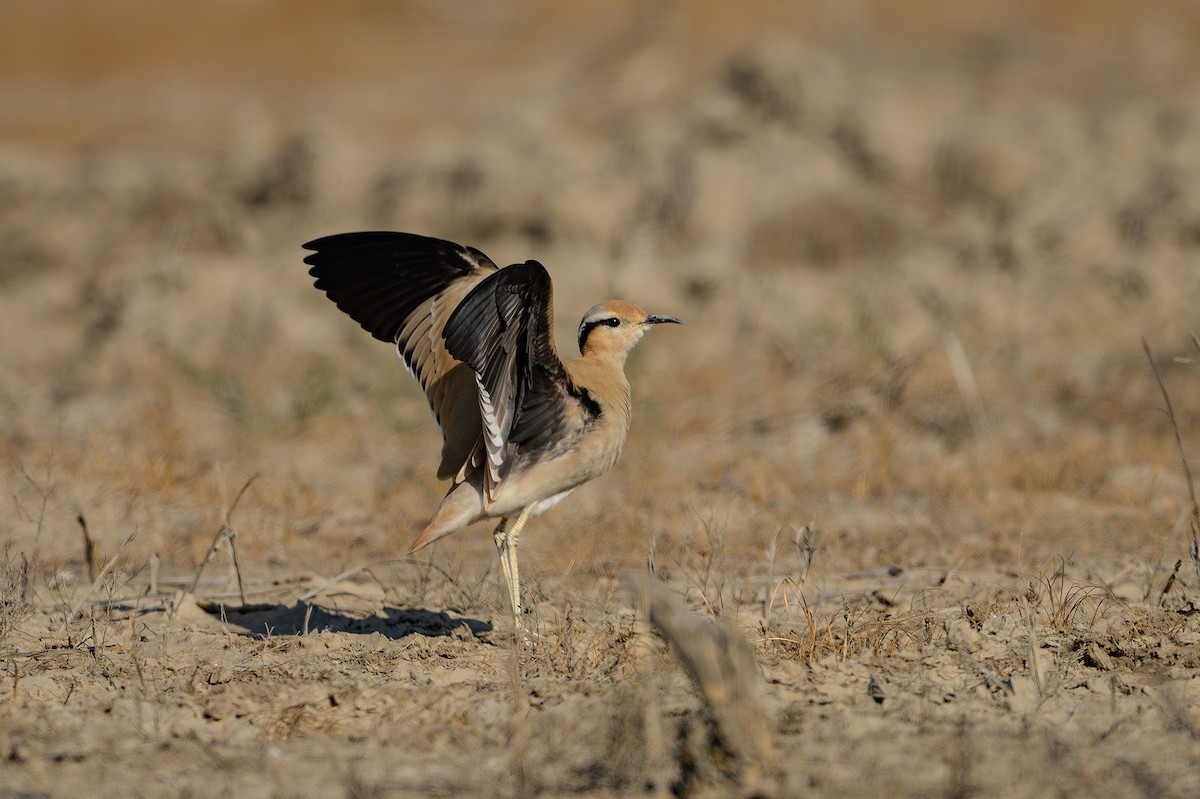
463,506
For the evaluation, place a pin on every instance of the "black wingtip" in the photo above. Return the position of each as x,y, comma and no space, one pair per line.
379,278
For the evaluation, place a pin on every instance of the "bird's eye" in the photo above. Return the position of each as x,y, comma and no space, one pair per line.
611,322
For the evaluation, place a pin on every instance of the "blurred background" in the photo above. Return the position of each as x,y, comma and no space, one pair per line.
916,245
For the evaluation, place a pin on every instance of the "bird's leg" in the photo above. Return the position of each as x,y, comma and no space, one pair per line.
512,534
500,536
506,538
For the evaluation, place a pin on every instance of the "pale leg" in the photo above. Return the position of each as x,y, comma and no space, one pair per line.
500,536
506,538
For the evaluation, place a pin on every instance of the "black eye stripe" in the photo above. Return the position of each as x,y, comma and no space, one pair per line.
586,328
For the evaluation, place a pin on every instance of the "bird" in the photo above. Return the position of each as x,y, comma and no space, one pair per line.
521,428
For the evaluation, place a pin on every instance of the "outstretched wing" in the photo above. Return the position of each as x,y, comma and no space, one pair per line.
402,288
503,330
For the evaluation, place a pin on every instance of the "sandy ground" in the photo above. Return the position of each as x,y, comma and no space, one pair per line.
904,479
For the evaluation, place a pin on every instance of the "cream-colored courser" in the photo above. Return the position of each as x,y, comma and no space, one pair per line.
521,429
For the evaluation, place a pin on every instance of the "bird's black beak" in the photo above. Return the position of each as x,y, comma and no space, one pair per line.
658,320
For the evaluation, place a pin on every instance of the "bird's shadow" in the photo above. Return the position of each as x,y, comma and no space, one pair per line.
300,618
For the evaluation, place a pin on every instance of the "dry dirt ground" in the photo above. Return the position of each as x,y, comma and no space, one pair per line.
904,480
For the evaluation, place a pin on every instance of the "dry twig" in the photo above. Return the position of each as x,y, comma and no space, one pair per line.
225,531
1194,550
89,547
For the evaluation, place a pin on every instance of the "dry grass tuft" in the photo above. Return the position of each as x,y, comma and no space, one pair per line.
1066,603
16,593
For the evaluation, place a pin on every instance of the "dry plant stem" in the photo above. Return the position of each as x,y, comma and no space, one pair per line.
769,591
113,560
153,589
224,531
804,539
74,609
133,655
1162,386
237,567
89,548
43,490
1162,598
1194,552
1035,661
